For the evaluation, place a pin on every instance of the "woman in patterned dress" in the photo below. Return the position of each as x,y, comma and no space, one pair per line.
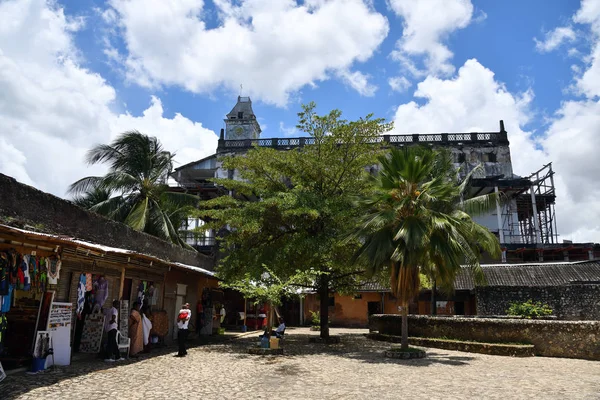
136,330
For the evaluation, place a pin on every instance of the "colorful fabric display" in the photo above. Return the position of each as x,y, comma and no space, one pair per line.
4,274
7,300
80,294
88,282
100,291
53,265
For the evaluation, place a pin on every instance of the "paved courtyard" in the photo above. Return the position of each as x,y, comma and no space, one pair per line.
354,369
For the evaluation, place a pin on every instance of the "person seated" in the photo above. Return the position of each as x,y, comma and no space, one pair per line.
280,329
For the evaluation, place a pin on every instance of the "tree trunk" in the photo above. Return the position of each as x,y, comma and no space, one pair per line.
324,306
404,341
433,296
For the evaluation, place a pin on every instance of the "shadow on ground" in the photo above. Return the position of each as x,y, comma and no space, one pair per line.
353,346
19,383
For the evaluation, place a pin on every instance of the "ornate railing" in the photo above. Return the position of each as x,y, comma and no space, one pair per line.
441,139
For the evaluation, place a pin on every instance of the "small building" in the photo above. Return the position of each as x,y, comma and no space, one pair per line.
571,289
110,260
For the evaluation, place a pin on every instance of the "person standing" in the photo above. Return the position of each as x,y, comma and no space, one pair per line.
112,347
183,320
135,330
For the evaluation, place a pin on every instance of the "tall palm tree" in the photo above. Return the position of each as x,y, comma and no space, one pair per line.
138,171
418,222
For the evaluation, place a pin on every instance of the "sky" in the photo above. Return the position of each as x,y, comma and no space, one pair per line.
77,73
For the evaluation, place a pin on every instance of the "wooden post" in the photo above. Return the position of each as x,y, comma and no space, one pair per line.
245,309
122,283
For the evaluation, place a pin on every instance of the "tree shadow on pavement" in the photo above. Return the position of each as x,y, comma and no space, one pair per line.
20,383
352,346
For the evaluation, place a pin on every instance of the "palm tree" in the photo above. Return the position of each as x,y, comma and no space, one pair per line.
418,222
138,171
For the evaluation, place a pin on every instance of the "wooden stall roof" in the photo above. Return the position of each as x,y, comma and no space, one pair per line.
79,248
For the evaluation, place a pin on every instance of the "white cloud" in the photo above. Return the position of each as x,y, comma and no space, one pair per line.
399,83
469,102
273,47
474,101
427,23
554,38
359,82
52,110
589,14
287,130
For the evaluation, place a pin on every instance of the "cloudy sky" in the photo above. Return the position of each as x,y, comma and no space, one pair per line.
77,73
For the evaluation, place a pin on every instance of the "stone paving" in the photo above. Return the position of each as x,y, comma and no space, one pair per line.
354,369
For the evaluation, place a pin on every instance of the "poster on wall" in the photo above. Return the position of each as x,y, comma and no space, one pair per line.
124,318
59,324
91,337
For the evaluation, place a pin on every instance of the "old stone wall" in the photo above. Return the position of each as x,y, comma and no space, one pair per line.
22,205
569,302
571,339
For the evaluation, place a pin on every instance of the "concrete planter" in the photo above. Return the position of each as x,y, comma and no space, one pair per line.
405,355
260,351
329,340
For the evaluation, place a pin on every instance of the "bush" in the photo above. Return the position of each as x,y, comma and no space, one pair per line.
315,318
529,309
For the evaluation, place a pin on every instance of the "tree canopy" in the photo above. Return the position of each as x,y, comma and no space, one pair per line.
291,210
135,189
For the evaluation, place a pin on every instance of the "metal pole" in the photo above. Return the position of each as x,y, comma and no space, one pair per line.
499,215
536,225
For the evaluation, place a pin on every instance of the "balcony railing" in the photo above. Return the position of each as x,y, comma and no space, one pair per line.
441,139
196,239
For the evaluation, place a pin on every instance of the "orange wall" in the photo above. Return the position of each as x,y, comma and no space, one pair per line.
347,310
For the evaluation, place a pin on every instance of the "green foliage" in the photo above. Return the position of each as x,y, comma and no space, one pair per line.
315,318
134,190
292,209
529,309
267,288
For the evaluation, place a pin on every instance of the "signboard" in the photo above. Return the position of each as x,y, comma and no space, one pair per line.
59,323
91,337
124,318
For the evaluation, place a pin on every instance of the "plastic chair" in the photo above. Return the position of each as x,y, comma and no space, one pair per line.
123,343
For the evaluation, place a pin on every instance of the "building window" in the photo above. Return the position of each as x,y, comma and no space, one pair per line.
492,157
462,158
331,301
358,296
240,115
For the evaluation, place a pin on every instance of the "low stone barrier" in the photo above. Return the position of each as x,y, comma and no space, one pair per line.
495,349
571,339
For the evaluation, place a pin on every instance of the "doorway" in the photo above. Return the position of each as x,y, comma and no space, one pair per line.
374,307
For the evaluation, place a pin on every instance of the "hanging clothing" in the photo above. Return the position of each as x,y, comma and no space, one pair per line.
13,260
3,327
4,274
22,270
7,300
34,273
100,291
43,279
88,283
136,332
80,294
53,265
146,328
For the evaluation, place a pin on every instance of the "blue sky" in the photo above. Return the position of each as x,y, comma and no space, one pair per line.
77,73
501,41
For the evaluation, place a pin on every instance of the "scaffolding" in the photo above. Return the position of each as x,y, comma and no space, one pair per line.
528,217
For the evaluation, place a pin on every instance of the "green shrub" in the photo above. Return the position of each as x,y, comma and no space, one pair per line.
315,318
529,309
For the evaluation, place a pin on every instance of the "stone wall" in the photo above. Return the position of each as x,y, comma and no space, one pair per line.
571,339
569,302
24,206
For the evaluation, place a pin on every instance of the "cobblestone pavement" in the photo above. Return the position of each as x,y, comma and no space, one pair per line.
354,369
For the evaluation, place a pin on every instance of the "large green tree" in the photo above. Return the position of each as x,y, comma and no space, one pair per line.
135,189
418,222
291,210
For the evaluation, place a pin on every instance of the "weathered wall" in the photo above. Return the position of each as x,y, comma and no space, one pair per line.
21,204
569,302
572,339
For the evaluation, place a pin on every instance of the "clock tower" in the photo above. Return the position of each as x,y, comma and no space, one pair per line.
241,122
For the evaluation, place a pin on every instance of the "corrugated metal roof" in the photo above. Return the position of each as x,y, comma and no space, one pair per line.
538,275
551,274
